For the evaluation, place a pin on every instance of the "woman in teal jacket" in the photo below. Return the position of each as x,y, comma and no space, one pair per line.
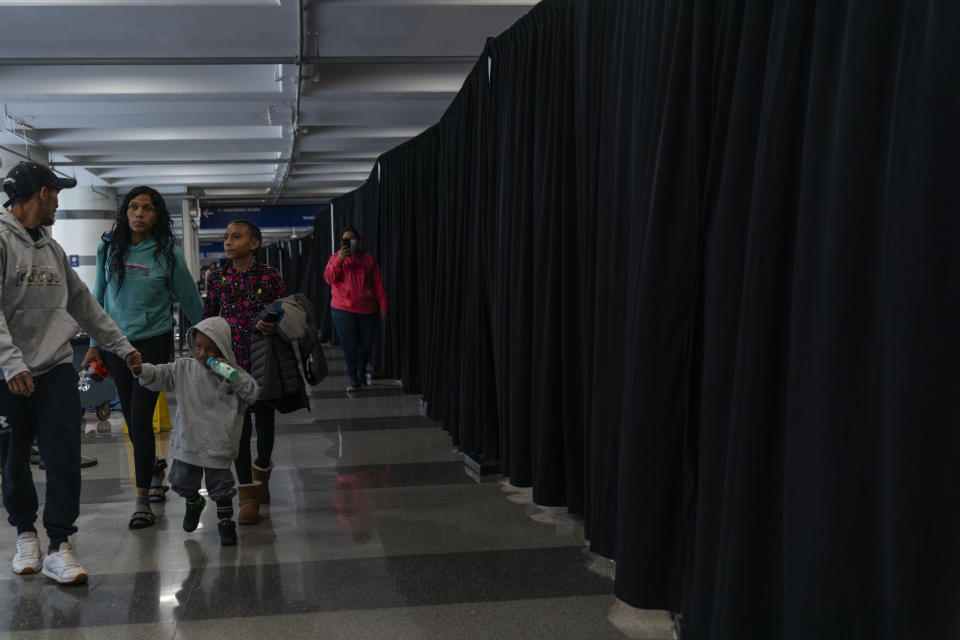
140,270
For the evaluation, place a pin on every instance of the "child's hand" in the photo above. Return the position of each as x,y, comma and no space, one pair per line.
134,362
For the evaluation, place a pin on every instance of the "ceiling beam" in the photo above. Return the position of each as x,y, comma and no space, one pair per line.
295,128
147,62
167,163
390,59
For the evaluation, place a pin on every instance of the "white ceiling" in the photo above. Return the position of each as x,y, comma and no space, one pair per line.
201,96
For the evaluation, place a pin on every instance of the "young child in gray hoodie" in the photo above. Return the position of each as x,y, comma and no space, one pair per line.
206,432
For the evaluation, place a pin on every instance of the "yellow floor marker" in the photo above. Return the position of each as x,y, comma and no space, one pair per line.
161,416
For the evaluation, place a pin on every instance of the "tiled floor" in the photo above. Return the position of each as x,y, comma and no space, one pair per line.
375,530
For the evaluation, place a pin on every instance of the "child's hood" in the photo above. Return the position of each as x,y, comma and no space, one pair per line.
218,330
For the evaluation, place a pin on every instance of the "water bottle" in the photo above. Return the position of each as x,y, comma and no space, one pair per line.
83,384
222,368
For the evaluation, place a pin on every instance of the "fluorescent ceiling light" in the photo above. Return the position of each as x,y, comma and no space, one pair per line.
135,3
355,3
236,192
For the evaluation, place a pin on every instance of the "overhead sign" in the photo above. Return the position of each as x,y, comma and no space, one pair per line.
264,216
211,250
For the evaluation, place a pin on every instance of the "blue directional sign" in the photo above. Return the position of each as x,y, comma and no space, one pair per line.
211,250
264,216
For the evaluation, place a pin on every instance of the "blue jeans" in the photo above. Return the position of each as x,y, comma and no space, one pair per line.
356,331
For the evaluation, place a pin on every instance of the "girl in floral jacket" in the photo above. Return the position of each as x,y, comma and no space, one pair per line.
239,293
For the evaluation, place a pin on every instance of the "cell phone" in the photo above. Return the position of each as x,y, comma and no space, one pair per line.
346,243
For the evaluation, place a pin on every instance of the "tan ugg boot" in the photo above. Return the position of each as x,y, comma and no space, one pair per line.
262,476
249,503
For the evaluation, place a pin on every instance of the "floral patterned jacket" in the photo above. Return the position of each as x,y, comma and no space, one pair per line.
239,296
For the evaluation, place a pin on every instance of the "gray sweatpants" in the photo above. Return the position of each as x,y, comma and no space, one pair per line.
185,480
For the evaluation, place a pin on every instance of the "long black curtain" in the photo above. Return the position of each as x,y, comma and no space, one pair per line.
315,287
301,262
685,267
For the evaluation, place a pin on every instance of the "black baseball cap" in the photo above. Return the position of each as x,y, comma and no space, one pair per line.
27,178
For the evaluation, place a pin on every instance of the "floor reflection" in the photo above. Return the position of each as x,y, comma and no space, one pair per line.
374,531
190,592
358,506
92,424
41,604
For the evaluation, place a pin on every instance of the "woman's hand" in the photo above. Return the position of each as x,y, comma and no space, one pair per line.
344,252
93,355
266,328
383,315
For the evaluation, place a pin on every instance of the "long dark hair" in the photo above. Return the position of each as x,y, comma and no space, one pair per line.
253,230
162,231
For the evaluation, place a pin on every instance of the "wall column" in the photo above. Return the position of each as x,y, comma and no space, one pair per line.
82,217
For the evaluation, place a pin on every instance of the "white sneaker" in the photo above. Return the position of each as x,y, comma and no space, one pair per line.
63,567
29,555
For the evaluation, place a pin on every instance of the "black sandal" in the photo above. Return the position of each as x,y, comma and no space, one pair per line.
158,490
142,520
159,493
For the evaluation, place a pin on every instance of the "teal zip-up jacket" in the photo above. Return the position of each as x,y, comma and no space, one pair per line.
141,308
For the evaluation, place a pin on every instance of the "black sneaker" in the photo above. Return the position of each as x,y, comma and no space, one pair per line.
228,532
192,517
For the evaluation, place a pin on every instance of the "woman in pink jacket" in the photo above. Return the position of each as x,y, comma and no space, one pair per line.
358,300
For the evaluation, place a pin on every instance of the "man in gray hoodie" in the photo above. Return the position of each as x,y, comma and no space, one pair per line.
42,301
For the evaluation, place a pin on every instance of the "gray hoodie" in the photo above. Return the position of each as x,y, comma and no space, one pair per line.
206,431
43,300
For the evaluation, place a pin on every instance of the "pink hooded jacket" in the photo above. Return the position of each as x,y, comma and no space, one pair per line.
355,283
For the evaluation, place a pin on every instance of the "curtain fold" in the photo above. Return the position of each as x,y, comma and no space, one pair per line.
316,287
685,267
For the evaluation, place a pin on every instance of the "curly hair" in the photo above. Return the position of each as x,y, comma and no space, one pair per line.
162,231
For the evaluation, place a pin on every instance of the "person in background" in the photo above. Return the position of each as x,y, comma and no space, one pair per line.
239,292
358,300
140,271
42,299
202,283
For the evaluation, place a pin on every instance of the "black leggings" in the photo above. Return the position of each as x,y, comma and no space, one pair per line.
266,419
138,403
